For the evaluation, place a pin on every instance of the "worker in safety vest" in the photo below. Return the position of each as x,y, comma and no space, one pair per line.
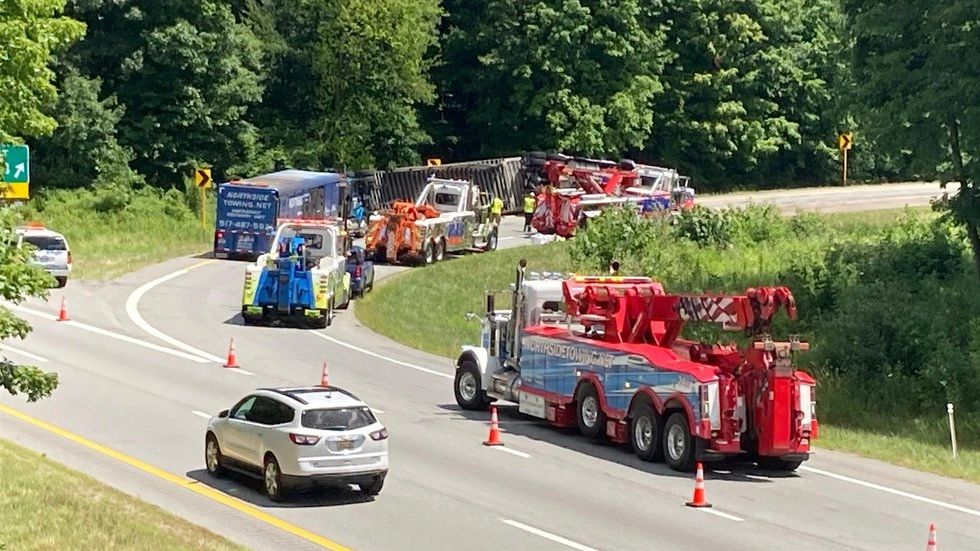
529,203
496,208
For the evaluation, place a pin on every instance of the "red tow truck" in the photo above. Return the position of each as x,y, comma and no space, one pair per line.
605,354
578,189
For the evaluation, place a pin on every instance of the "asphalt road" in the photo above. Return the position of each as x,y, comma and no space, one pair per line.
140,368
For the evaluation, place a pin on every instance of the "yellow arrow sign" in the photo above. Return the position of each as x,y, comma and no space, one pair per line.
433,162
202,178
845,141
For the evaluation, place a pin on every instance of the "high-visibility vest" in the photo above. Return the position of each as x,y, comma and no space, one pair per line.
529,204
497,206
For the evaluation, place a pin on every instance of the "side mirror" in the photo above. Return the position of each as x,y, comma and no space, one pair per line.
223,413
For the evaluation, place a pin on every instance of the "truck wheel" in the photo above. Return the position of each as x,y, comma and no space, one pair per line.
468,387
430,252
491,241
645,429
591,418
62,281
678,443
328,317
440,250
346,302
776,464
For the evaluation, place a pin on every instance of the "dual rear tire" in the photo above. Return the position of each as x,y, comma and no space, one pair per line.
651,437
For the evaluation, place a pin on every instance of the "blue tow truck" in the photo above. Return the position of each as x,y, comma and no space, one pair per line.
249,210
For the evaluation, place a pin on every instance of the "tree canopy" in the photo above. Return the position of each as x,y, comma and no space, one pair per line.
31,32
918,82
732,92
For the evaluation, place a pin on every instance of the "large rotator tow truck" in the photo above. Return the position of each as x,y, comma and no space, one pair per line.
606,354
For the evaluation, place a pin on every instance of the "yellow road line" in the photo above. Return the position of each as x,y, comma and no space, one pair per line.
191,485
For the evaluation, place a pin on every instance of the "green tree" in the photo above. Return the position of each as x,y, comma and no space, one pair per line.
917,76
31,31
187,72
83,150
749,93
347,78
19,280
579,75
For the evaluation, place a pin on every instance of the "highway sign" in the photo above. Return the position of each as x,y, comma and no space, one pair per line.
845,141
15,171
202,178
433,162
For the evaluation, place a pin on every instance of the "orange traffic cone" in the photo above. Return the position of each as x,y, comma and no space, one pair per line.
699,497
63,313
931,544
494,439
232,360
324,381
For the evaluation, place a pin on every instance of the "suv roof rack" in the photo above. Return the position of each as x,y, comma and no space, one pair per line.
295,392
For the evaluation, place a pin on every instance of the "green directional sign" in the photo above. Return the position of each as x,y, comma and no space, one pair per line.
15,171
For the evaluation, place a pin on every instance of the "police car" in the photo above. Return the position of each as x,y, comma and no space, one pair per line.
51,252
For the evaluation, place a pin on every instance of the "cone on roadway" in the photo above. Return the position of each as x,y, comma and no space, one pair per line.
931,544
63,312
699,499
494,439
232,360
324,380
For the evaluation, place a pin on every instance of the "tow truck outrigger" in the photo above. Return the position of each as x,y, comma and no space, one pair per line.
605,354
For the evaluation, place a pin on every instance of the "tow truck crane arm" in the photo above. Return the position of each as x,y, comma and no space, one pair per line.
638,310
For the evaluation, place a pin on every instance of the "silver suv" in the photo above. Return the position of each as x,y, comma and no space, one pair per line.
51,253
291,437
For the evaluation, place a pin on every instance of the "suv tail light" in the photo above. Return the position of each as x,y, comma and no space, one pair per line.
379,434
303,439
69,257
357,271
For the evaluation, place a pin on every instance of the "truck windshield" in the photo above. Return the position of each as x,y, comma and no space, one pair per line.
47,243
338,418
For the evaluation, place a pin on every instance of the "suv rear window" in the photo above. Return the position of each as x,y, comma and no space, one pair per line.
351,418
46,243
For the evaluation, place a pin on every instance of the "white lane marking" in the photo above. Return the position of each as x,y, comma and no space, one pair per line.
510,451
132,310
23,353
506,238
547,535
722,515
202,414
892,491
385,358
110,334
377,411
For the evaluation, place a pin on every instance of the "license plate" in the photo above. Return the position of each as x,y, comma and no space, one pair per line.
345,444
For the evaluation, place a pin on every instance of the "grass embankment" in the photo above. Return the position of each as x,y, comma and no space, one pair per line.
114,231
886,298
47,506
